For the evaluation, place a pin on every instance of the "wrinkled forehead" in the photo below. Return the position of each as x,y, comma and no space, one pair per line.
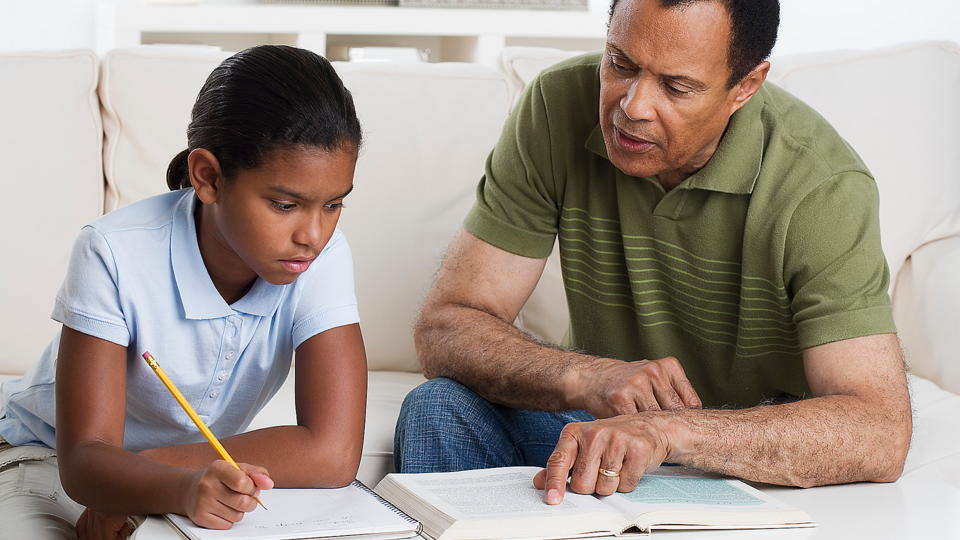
691,39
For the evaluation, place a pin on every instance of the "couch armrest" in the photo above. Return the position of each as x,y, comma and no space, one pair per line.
926,306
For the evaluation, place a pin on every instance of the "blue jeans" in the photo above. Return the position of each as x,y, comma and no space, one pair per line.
445,426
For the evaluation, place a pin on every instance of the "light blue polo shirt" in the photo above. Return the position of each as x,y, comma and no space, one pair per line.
136,278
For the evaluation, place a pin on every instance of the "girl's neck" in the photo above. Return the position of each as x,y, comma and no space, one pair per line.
230,275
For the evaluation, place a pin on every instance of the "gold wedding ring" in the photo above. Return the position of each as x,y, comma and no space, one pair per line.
609,473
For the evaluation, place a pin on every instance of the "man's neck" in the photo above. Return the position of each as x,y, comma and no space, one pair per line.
672,179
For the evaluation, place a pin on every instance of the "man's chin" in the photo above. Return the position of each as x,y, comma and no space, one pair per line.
636,167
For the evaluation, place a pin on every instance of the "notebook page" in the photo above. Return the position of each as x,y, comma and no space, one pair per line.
310,513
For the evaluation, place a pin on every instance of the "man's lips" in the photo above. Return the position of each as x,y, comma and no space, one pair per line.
631,143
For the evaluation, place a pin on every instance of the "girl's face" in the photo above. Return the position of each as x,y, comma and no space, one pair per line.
273,220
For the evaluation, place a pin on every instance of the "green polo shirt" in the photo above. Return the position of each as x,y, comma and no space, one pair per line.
771,248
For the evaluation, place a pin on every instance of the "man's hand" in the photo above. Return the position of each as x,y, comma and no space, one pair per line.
607,387
219,495
625,447
93,525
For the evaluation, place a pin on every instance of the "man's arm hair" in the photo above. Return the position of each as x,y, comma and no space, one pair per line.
465,330
857,428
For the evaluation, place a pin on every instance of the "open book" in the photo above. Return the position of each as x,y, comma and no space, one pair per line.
349,512
502,503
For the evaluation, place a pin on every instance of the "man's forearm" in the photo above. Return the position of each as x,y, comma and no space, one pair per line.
825,440
495,359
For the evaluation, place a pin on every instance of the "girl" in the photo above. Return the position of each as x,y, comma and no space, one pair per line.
221,280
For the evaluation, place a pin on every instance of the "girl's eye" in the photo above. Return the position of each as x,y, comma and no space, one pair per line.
333,207
283,207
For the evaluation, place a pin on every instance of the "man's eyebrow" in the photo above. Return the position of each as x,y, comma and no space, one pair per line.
689,81
619,51
685,79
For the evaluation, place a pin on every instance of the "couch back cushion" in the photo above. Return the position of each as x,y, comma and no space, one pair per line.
147,94
427,131
52,182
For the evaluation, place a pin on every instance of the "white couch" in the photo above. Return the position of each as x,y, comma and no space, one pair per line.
81,135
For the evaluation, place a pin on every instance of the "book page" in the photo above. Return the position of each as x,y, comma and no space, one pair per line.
676,488
309,513
503,493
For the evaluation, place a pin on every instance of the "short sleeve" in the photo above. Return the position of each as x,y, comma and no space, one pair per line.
516,207
834,266
326,297
89,300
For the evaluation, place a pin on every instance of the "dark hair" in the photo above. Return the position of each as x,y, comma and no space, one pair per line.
264,98
753,33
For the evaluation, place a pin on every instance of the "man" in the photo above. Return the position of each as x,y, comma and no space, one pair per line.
720,247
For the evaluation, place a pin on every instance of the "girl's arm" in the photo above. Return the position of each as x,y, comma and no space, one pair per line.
95,469
323,449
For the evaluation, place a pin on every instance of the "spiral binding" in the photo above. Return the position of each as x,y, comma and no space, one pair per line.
388,504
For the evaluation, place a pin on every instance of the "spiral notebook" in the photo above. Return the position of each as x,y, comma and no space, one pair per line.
349,512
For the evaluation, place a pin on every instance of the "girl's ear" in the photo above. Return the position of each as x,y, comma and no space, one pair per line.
205,175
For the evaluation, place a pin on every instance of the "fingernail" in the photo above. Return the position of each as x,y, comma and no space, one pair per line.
553,496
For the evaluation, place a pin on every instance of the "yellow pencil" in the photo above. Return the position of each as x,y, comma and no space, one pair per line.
192,414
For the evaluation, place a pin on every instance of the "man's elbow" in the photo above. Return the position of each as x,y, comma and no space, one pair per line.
894,446
425,332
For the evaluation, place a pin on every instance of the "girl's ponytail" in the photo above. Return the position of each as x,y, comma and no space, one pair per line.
177,175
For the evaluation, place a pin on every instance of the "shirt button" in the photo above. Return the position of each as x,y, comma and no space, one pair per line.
214,394
230,355
219,378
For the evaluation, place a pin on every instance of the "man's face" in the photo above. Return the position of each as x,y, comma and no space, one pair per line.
664,101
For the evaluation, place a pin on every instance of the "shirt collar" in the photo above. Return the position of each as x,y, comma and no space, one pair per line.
198,295
735,166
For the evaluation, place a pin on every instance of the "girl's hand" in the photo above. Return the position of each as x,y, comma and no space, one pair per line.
93,525
220,494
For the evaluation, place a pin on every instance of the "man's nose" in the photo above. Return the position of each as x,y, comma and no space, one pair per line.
638,103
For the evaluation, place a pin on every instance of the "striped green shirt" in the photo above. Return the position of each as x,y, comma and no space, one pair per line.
771,248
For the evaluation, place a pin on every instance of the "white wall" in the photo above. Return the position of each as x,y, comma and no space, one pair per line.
815,25
48,24
807,25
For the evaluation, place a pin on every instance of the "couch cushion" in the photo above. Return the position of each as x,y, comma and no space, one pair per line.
927,310
428,129
147,94
523,64
935,414
385,393
52,184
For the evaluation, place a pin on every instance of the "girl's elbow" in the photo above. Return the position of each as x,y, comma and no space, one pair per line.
337,467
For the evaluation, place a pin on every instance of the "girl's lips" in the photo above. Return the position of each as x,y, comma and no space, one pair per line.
630,144
296,267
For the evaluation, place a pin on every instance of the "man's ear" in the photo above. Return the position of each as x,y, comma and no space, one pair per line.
750,85
205,175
